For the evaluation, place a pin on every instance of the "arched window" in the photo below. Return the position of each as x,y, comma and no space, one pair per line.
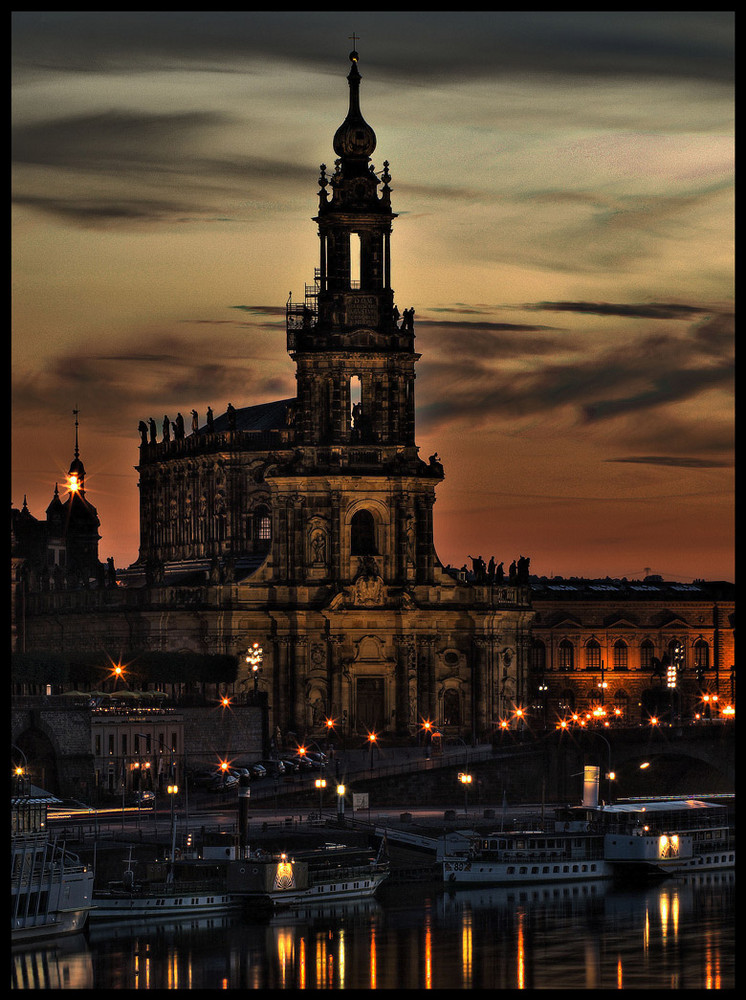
620,655
647,652
701,655
592,655
566,655
538,656
451,707
262,528
677,653
363,534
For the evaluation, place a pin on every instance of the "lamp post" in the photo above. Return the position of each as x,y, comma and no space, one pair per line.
171,779
466,780
21,772
602,685
321,785
254,657
372,737
341,804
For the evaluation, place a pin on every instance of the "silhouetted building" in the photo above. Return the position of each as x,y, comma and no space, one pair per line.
60,552
306,524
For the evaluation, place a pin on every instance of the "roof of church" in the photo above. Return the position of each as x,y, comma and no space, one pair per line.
262,417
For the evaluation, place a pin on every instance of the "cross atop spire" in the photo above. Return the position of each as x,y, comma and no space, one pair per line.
77,452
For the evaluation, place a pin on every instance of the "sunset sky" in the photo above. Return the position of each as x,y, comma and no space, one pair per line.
564,186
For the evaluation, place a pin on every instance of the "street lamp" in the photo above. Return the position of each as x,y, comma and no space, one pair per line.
254,659
21,772
321,785
341,804
466,780
372,737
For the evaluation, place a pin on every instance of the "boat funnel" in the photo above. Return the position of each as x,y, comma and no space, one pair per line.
590,786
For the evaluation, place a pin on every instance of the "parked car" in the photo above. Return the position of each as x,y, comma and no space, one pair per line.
224,781
319,758
257,771
274,768
291,765
305,763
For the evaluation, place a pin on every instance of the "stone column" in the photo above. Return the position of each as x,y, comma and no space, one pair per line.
283,704
299,670
336,707
479,687
407,716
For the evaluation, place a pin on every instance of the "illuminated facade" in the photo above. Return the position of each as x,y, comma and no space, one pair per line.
305,525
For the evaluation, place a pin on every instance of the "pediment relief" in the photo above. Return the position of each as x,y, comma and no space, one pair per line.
370,649
363,337
566,623
616,622
672,621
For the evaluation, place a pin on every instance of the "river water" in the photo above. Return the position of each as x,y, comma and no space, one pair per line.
676,934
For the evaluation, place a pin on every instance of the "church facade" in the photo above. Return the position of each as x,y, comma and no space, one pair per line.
303,527
306,524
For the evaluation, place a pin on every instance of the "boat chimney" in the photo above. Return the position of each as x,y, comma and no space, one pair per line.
244,792
590,786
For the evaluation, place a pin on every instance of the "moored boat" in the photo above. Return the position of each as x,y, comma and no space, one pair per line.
324,874
668,836
663,836
50,890
189,888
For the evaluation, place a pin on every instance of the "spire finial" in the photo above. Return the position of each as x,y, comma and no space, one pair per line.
353,38
76,412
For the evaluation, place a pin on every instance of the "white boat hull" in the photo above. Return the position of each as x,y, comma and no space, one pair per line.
325,891
464,871
130,906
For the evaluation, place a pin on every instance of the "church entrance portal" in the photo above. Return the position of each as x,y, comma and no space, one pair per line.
369,709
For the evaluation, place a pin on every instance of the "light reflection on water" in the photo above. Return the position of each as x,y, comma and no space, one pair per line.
677,934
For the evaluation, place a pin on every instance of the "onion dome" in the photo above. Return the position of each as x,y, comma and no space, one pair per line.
354,140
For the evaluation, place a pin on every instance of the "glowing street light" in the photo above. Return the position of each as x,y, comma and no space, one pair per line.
341,803
372,737
254,656
466,780
321,785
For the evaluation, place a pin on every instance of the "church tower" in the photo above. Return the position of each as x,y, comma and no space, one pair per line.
355,370
306,524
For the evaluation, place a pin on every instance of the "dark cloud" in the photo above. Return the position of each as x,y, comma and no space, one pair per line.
159,153
643,375
152,374
263,310
408,44
484,340
92,212
674,460
649,310
109,141
672,386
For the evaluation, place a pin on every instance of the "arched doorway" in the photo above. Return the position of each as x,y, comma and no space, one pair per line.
370,704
